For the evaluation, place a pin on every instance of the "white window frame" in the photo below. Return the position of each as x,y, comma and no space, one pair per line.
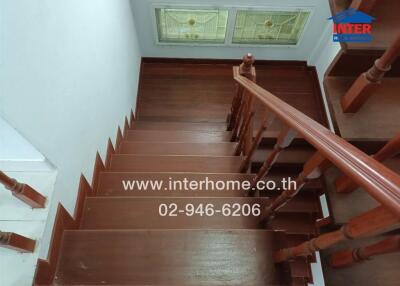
232,13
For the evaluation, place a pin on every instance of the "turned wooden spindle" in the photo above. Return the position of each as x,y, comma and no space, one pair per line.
345,185
365,84
266,122
242,134
284,139
23,192
375,221
16,242
363,5
312,169
349,257
236,102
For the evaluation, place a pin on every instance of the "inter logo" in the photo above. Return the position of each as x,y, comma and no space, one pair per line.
352,26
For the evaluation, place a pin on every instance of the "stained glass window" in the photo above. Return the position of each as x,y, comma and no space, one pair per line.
269,27
191,25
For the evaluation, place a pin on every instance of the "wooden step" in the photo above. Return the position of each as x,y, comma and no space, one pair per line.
144,213
294,223
183,126
111,184
177,136
177,148
169,257
170,163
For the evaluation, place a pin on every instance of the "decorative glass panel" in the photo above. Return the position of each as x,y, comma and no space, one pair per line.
191,26
269,27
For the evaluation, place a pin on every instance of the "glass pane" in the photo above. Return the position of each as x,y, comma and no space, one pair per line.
269,27
191,26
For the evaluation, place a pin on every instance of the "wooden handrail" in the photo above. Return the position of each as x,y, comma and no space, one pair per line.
379,181
349,257
16,242
23,192
345,185
364,85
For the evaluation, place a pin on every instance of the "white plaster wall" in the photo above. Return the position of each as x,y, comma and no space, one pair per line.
144,16
68,75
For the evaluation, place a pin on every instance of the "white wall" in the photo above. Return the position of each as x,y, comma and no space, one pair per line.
144,16
68,75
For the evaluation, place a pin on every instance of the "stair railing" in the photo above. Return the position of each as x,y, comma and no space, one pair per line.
392,148
16,242
365,84
331,150
348,257
23,192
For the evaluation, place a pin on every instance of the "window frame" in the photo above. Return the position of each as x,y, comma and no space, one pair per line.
232,14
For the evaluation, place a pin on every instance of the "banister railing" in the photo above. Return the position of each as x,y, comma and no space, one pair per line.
331,150
380,182
348,257
364,85
23,192
345,185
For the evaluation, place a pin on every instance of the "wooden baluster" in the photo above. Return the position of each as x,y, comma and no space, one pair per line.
363,87
375,221
349,257
235,107
345,185
363,5
284,139
242,134
266,122
312,169
17,242
23,192
238,121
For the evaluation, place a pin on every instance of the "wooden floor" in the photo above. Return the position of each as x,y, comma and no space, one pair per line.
378,118
204,92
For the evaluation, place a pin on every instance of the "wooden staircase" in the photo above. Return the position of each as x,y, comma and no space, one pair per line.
176,233
122,239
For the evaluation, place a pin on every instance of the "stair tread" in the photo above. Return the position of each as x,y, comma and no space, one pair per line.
174,163
294,223
143,212
183,126
178,148
168,257
178,136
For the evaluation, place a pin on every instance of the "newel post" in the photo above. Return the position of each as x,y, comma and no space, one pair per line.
364,86
16,242
241,113
23,192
